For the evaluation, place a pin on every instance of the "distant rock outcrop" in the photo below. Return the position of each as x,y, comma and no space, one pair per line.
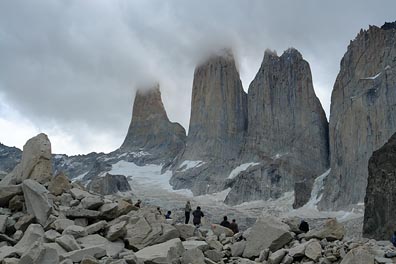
217,126
9,158
109,184
363,113
380,200
150,129
287,132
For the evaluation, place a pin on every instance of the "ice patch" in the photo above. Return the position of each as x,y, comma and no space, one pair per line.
146,178
79,177
189,164
317,190
240,168
215,197
372,77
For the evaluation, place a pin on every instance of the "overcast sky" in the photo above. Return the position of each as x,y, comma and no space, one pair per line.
70,68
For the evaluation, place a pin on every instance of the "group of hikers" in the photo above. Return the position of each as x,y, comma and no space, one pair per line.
198,214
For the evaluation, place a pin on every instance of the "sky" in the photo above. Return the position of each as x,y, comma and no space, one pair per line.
70,68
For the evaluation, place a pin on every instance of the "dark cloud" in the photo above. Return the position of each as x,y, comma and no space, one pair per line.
75,65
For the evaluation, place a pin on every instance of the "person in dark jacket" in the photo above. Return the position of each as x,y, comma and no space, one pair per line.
187,212
225,222
393,239
138,204
304,226
234,226
168,215
197,215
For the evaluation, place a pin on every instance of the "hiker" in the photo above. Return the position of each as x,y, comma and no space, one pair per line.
159,210
197,214
168,215
304,226
393,239
139,202
234,226
225,222
187,212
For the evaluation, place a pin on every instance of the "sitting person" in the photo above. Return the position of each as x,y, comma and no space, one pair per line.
138,204
234,226
225,222
168,215
304,226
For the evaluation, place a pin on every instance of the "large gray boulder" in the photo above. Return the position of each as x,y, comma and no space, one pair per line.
36,200
158,253
150,129
331,230
217,126
109,184
363,114
267,232
7,193
359,255
59,184
34,233
380,208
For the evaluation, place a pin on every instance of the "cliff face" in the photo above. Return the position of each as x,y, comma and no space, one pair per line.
218,111
288,127
380,199
150,129
363,113
217,126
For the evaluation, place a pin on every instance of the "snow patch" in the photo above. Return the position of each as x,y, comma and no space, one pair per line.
317,190
79,177
189,164
215,197
235,172
372,77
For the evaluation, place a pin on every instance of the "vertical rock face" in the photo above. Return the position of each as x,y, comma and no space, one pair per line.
380,199
287,132
217,126
285,116
363,113
150,129
218,111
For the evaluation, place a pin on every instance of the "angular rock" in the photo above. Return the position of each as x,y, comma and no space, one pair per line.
313,250
40,254
75,231
332,230
238,248
82,213
214,255
16,203
3,223
185,231
7,193
79,194
34,233
108,211
159,252
78,255
192,244
362,116
116,231
277,256
51,235
92,202
267,232
68,243
358,255
24,222
36,200
150,129
61,224
109,184
193,256
113,249
7,251
59,184
96,227
380,210
218,230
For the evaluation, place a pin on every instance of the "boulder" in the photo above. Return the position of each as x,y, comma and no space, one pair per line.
24,222
16,203
3,223
298,250
193,256
82,213
332,230
6,252
108,211
109,184
61,224
96,227
34,233
192,244
159,252
92,202
75,231
36,161
7,193
79,194
186,231
238,248
40,254
68,242
277,256
267,232
218,230
380,210
112,248
214,255
78,255
313,250
359,255
59,184
36,200
116,231
51,235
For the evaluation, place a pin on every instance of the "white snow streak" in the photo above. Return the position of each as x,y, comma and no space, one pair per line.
189,164
235,172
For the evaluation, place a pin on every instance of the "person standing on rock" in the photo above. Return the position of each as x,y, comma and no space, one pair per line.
234,226
225,222
197,214
187,212
138,204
